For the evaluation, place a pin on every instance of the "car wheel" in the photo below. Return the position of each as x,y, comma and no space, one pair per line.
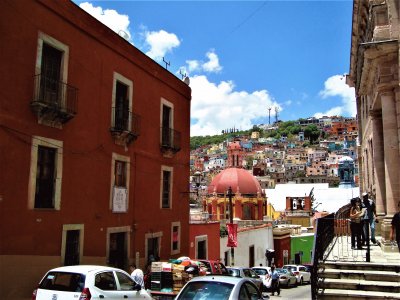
301,281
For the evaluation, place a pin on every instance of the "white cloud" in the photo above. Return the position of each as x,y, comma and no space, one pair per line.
109,17
193,65
335,86
161,42
210,66
213,63
218,106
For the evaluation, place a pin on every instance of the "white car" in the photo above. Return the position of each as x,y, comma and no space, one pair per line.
88,283
246,273
216,287
265,275
300,272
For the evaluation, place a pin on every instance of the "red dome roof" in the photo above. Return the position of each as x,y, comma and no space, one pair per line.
239,179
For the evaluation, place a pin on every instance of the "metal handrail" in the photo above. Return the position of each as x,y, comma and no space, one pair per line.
324,234
330,230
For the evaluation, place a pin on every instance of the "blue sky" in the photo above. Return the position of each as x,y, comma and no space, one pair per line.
243,57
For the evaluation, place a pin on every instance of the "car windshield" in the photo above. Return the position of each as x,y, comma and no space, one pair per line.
292,268
234,272
203,290
223,269
261,271
207,265
63,281
282,271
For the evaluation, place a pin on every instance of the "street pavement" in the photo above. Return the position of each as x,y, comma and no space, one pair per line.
302,292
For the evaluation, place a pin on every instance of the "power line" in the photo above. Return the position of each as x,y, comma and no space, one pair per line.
249,17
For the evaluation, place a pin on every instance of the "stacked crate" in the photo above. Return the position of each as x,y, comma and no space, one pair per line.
161,276
179,276
156,268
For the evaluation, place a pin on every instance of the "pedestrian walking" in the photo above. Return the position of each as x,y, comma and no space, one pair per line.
395,229
369,218
137,275
355,223
275,282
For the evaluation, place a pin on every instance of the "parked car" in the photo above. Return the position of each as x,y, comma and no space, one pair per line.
88,282
308,267
246,273
286,277
301,273
214,267
264,273
216,287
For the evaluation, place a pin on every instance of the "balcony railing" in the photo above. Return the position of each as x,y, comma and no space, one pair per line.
170,140
125,124
54,100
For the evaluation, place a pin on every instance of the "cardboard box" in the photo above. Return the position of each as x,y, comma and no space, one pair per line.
166,267
156,266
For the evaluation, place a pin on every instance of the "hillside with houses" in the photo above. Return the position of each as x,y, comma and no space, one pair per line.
302,151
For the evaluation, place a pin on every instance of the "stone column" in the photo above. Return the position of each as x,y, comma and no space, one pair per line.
392,160
391,152
378,161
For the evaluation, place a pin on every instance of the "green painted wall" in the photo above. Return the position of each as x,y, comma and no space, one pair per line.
301,243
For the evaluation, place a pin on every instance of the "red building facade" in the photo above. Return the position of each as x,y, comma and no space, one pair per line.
94,147
204,240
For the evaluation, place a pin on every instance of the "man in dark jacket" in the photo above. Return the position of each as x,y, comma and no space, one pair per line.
396,227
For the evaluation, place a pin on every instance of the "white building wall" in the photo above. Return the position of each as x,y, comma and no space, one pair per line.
261,239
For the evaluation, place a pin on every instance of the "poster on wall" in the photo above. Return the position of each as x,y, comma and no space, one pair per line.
232,235
119,200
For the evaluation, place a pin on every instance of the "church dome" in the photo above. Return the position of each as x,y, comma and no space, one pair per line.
345,159
239,179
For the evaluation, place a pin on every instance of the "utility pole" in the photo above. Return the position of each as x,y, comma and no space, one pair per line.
230,194
269,115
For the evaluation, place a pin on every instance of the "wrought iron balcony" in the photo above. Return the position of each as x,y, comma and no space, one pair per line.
170,140
54,100
125,125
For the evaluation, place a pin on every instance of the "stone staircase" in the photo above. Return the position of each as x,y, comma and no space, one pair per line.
359,280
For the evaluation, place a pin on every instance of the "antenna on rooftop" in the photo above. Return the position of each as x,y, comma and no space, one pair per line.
183,75
269,115
167,63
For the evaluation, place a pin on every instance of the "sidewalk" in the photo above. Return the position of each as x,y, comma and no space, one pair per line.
341,251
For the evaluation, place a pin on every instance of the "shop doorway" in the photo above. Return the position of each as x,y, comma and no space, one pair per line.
117,255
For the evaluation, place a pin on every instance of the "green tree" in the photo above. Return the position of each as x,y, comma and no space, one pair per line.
312,133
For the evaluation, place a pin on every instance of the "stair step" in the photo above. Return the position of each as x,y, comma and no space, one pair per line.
389,266
336,294
360,275
360,285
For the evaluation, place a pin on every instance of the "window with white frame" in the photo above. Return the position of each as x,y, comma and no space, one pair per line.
166,186
167,123
175,237
121,115
52,69
120,175
45,176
